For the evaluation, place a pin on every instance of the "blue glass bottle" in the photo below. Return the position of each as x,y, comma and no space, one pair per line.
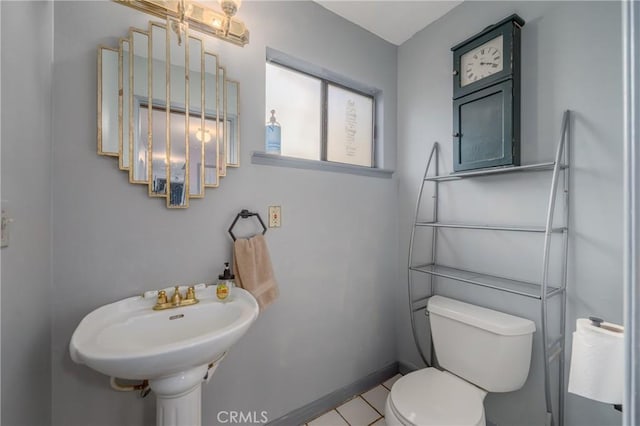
272,136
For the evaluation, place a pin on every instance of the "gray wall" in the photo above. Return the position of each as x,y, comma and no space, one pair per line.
338,257
334,257
571,56
26,175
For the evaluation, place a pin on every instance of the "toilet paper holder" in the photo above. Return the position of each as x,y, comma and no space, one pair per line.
595,321
598,322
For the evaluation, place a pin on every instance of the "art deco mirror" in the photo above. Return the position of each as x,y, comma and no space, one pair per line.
168,112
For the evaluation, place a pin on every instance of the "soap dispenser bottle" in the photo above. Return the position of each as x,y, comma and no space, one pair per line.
225,283
272,135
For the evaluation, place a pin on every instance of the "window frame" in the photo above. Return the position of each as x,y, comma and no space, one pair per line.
324,107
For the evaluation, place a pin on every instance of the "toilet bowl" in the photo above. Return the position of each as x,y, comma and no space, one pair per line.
481,350
433,397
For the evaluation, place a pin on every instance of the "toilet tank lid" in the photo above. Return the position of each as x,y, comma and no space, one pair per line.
477,316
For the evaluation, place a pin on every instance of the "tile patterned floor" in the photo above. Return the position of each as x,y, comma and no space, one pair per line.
363,410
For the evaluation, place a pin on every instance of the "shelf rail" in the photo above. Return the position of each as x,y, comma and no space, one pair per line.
552,350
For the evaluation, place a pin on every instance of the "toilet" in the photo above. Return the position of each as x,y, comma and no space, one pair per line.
481,351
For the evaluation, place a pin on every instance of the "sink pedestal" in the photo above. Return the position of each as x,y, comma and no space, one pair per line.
179,398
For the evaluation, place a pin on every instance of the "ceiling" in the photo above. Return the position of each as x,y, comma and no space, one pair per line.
394,21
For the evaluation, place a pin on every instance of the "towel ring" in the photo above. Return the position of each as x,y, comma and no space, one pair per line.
246,214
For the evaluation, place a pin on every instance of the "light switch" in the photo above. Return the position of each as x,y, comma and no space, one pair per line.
274,217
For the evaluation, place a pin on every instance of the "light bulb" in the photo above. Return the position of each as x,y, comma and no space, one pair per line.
216,23
203,135
230,7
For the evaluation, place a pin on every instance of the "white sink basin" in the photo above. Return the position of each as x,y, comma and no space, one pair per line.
128,339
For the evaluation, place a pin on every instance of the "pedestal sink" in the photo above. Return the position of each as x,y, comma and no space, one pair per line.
171,348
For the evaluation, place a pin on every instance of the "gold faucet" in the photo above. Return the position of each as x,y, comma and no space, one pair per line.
176,299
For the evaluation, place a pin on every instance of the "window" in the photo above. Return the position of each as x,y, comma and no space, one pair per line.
320,119
296,98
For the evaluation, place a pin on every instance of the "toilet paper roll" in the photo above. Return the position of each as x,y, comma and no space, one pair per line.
597,361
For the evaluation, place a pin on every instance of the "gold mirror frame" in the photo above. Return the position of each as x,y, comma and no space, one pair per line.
156,101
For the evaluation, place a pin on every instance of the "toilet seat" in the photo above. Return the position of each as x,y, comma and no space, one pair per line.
432,397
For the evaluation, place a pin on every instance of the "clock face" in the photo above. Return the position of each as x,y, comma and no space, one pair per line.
481,62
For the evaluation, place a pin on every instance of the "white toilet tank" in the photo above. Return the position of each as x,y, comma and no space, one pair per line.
488,348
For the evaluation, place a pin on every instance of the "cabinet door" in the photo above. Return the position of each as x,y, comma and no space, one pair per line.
485,134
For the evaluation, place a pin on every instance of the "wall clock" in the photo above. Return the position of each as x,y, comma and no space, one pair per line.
486,97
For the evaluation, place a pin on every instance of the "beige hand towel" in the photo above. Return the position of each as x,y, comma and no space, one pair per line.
252,267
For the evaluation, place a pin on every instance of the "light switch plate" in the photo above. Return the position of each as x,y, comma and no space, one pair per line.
274,216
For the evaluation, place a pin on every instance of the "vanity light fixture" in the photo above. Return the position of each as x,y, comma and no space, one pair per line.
198,17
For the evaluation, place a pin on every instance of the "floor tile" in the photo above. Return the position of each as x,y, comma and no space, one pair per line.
358,413
331,418
391,381
377,397
380,422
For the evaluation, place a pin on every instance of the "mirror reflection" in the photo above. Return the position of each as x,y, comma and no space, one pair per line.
178,122
158,99
123,104
167,110
138,105
232,122
196,118
222,139
108,101
209,133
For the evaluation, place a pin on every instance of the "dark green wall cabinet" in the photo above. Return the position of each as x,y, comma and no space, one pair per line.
486,97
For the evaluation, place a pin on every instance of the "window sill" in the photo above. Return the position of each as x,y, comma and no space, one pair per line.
259,157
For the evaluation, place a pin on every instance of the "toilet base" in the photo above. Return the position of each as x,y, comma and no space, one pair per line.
391,419
389,416
429,397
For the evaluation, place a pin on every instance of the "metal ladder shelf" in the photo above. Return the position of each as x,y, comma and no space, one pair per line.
540,167
522,288
541,290
490,227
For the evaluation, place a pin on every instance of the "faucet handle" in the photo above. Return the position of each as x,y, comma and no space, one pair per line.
190,298
161,301
191,293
